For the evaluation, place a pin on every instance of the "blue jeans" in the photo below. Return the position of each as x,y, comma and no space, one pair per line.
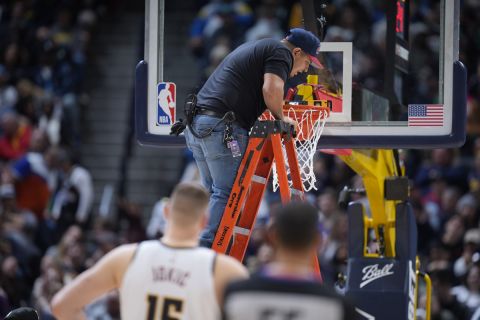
218,168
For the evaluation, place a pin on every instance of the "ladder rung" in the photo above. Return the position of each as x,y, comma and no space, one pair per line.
240,230
259,179
296,192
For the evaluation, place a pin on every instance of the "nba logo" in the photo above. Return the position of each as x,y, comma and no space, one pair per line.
166,103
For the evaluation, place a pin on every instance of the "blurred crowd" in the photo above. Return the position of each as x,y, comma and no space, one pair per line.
44,50
49,235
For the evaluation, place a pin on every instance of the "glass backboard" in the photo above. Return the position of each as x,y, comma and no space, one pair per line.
392,75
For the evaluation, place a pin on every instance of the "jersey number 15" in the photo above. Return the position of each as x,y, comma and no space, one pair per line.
171,308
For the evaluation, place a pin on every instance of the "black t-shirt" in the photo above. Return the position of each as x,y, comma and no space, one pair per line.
236,84
267,298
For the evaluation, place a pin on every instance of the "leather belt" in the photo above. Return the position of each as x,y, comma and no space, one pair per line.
207,112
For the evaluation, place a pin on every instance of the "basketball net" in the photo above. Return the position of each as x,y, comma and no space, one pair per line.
311,122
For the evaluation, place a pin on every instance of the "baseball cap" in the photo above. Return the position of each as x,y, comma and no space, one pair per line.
306,41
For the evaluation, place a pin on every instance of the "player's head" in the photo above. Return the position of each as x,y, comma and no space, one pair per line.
295,227
188,205
23,313
304,46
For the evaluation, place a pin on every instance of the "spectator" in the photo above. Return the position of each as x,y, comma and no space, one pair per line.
49,283
19,231
471,247
225,17
104,241
473,116
453,235
328,210
72,235
16,137
156,225
131,213
13,282
13,60
334,253
34,176
426,234
469,293
321,170
105,308
217,54
51,119
442,282
62,29
8,93
442,166
27,108
448,204
267,24
474,177
73,202
467,208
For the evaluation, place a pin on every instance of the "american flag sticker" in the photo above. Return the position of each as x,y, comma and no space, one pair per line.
425,115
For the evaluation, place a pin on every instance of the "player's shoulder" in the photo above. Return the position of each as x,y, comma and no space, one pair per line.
225,260
117,260
123,251
259,286
259,282
227,264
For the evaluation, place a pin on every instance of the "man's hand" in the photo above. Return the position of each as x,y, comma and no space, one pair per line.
292,122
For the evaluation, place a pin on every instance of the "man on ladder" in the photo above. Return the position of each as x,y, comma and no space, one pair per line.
248,81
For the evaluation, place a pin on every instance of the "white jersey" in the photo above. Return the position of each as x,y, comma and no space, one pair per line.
163,282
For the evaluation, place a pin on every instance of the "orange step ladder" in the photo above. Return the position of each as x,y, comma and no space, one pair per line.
264,146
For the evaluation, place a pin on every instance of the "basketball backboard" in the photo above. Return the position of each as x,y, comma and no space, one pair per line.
392,72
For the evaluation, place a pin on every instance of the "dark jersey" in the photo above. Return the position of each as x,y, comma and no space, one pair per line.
236,84
264,298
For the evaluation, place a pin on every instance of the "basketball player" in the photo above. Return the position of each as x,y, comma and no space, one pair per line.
170,278
287,288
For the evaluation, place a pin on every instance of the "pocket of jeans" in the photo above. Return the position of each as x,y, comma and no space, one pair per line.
214,147
204,125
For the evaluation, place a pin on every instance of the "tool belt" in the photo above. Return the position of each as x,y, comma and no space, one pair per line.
206,112
191,110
